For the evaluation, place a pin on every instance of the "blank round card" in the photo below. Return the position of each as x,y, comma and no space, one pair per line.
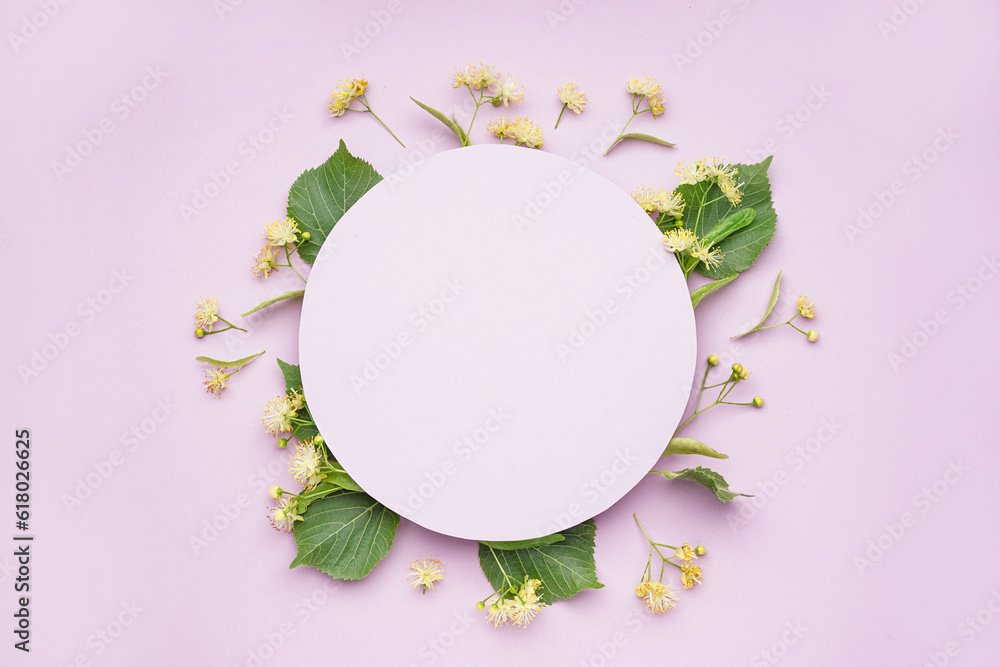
497,345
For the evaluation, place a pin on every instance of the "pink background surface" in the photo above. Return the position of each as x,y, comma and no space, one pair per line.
879,435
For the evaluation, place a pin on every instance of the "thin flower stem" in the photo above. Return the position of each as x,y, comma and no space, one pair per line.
561,111
620,134
700,391
288,255
375,116
231,325
797,329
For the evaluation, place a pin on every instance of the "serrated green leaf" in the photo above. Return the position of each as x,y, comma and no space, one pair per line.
706,289
239,363
281,297
691,446
526,544
741,249
565,568
293,383
319,197
449,123
710,479
770,307
345,535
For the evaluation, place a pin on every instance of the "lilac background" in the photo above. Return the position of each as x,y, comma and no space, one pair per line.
792,560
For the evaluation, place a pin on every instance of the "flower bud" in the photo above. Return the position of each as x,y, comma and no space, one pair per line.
713,360
319,440
496,101
514,588
494,609
758,401
283,443
480,605
199,332
279,515
737,368
700,550
306,236
744,373
275,492
812,335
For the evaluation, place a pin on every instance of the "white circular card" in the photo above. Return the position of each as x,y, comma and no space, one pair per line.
497,345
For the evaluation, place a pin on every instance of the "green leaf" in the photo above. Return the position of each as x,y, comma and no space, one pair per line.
340,477
710,479
345,535
322,490
281,297
449,123
526,544
565,568
320,197
741,249
293,383
239,363
706,289
691,446
770,307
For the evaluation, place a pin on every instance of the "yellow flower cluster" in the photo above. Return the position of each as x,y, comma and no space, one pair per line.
277,234
206,313
347,91
725,175
682,240
306,461
524,132
659,200
649,88
571,96
278,414
215,380
519,609
425,572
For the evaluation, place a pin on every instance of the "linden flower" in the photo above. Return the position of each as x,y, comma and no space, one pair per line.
656,106
574,100
477,76
206,313
646,86
526,133
659,200
296,400
729,188
215,380
692,172
690,575
277,415
806,307
305,463
264,263
508,90
281,232
658,597
500,612
679,240
500,126
284,516
347,91
685,552
425,572
523,611
710,257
